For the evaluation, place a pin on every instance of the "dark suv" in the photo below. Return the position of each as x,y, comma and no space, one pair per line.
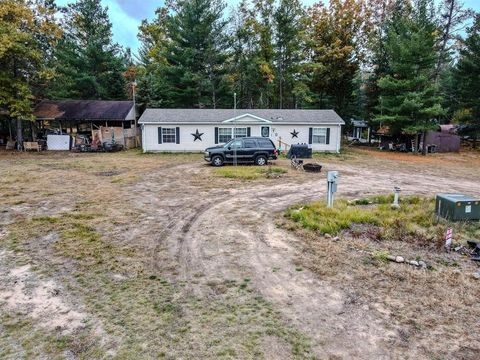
250,149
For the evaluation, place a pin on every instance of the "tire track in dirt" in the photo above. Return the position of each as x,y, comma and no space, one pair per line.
248,245
218,235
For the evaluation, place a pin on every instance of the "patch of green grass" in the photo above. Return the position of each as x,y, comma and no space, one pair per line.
414,220
249,172
318,217
344,154
380,255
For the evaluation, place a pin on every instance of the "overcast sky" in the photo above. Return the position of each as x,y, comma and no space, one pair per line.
126,16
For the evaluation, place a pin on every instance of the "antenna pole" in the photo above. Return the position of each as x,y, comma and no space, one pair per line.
234,128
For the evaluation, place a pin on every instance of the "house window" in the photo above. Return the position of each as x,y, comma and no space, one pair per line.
319,135
225,134
240,132
168,135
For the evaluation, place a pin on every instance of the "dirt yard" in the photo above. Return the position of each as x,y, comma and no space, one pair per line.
129,255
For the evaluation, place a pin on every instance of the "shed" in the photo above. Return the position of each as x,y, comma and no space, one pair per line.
444,139
360,131
95,118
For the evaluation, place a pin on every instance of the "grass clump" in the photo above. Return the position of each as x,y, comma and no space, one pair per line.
249,172
380,255
413,221
317,216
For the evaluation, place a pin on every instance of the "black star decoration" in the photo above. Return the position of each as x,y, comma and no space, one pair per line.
294,133
197,136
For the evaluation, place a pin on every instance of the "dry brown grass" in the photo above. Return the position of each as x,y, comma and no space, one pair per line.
420,305
73,219
93,224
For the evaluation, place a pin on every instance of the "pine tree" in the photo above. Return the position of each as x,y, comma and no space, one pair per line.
467,80
289,33
408,100
381,13
452,16
195,54
89,64
243,72
263,27
154,39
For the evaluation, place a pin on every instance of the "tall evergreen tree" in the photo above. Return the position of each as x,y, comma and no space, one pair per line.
409,102
263,27
376,61
154,39
89,64
195,55
243,69
467,80
289,34
451,18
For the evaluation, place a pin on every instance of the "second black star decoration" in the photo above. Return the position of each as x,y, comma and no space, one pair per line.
197,136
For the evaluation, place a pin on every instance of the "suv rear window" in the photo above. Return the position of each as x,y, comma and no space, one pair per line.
265,143
249,143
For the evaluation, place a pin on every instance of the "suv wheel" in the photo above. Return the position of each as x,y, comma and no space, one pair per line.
217,160
261,160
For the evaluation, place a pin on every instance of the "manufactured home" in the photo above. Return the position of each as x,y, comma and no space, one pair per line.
173,130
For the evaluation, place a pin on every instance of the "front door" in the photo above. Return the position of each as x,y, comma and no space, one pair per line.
265,131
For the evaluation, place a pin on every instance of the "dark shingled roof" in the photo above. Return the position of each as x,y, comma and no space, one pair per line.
215,116
82,110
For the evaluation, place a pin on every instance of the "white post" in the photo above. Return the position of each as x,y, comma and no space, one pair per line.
396,192
134,85
234,128
332,177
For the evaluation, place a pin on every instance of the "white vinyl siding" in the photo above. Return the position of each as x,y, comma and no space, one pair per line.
319,135
152,135
169,135
225,134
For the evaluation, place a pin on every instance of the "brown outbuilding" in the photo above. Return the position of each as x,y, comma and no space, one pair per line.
98,119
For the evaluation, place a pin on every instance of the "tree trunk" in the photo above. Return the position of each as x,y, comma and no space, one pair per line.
19,135
280,85
444,39
416,144
10,130
32,130
424,143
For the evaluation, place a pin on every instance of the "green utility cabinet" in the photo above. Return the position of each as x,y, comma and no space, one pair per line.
457,207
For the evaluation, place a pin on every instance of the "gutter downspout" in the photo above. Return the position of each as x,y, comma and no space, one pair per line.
339,138
144,139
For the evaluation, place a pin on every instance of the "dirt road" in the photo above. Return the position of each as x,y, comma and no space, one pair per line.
229,233
171,217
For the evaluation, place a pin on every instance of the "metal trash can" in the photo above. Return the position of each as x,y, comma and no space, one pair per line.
300,151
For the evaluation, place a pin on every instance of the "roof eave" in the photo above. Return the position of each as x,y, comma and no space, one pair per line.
238,123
